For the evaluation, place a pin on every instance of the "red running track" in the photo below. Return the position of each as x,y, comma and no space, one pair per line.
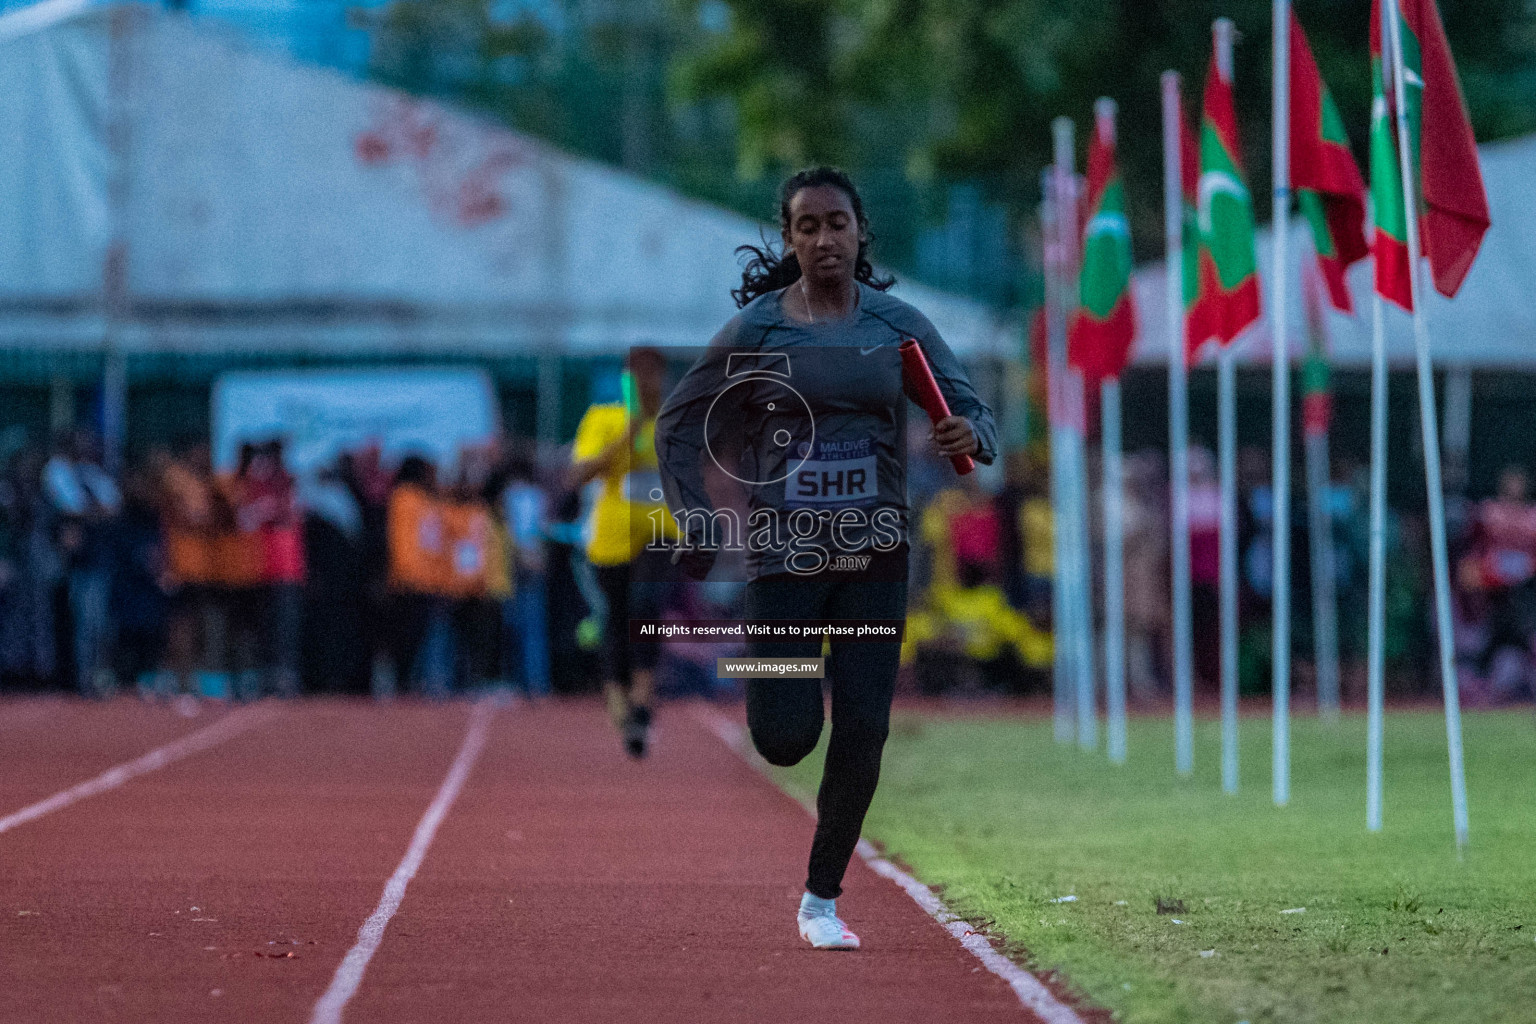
565,884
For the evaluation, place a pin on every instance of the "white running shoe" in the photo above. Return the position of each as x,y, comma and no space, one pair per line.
826,931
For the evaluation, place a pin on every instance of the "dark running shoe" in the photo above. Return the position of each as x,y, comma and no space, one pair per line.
637,731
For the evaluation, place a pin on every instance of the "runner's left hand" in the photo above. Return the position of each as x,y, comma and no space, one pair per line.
955,436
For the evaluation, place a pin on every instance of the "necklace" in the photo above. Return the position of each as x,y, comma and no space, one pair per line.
807,297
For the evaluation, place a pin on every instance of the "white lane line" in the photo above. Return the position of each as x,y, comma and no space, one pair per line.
231,725
1026,986
350,974
1031,992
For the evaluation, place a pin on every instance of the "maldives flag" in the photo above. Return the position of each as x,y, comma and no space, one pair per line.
1323,172
1228,298
1453,205
1196,331
1105,322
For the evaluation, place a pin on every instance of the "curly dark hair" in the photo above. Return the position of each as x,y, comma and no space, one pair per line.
765,269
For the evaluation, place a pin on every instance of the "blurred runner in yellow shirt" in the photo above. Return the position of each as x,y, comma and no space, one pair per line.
616,444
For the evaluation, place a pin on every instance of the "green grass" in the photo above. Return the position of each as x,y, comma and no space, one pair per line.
1396,927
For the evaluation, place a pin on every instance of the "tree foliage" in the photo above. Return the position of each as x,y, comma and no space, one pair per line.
974,84
921,99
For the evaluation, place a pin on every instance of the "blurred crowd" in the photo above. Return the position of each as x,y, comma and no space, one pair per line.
981,617
174,578
365,576
1494,554
368,577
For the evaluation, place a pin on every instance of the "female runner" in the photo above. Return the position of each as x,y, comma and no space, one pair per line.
804,386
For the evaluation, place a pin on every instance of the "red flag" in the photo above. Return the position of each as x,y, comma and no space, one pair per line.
1453,204
1456,217
1189,161
1104,324
1323,171
1227,300
1196,327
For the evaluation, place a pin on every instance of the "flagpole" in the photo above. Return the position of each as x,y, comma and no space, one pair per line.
1431,431
1226,429
1281,429
1318,420
1114,526
1114,572
1062,628
1082,582
1087,700
1325,622
1375,659
1178,419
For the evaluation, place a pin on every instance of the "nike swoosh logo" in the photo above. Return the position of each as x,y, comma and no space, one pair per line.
867,351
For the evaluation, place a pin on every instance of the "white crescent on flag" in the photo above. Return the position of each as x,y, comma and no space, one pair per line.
1109,223
1213,183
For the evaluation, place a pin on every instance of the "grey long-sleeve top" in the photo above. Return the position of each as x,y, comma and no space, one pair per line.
810,418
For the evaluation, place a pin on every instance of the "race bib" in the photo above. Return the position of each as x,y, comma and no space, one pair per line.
836,473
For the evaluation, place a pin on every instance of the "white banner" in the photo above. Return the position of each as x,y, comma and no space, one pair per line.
321,413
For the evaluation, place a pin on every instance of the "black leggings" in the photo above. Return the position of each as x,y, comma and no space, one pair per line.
785,715
632,590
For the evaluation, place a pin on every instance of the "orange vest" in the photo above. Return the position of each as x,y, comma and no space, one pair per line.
467,526
418,543
189,551
237,555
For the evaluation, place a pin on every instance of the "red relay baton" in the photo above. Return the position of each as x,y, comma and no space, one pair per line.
925,390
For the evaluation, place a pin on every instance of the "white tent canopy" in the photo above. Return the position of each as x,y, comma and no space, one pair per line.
270,206
1491,323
